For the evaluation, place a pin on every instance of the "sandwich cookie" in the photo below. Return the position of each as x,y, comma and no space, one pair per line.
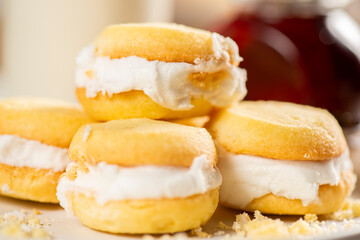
141,176
34,137
281,158
158,71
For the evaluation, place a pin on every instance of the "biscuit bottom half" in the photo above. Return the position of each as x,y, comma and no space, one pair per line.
135,104
29,183
150,216
330,199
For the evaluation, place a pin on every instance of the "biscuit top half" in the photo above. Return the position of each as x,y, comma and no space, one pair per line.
136,142
49,121
278,130
167,42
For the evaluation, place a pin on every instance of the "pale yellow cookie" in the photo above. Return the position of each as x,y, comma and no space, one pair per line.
146,216
331,199
28,183
271,132
141,141
134,152
49,121
278,130
156,41
199,63
135,104
43,128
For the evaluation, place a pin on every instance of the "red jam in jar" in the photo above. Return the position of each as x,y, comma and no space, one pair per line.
300,52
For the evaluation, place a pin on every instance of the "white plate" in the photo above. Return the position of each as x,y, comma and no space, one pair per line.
67,227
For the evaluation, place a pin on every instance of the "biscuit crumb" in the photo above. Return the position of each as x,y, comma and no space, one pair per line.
301,227
20,224
36,212
310,217
223,226
332,227
219,233
262,226
89,74
176,236
351,209
198,232
240,222
147,237
349,224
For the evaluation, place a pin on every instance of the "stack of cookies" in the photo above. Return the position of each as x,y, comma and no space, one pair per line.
149,164
136,173
141,175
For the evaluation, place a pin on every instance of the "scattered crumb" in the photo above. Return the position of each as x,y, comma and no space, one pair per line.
219,233
332,227
301,227
341,215
198,232
310,217
223,226
176,236
349,224
240,222
36,212
89,74
179,236
351,209
148,237
20,224
262,226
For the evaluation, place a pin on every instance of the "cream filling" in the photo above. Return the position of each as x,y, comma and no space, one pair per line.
20,152
247,177
107,182
166,83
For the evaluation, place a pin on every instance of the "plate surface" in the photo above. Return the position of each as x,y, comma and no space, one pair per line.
68,227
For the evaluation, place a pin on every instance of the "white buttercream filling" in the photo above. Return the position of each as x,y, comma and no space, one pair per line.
247,177
106,182
20,152
166,83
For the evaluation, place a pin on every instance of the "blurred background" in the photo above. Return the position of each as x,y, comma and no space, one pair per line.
304,51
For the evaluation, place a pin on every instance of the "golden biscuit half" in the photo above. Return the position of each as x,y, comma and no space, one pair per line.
49,121
156,41
138,152
126,142
158,71
330,199
267,135
34,136
135,104
28,183
278,130
150,216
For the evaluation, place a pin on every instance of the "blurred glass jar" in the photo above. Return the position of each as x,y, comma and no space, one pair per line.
303,51
41,39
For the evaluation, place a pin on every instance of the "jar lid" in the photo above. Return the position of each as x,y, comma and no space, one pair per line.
323,3
304,8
